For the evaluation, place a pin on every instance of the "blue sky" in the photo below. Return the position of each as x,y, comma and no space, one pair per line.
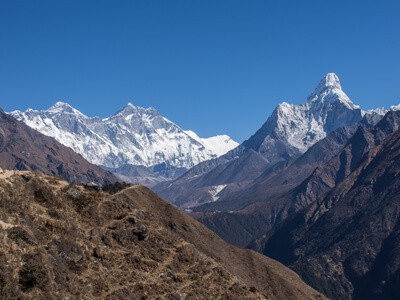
209,65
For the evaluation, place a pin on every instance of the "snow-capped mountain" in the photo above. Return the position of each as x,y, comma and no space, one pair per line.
301,126
287,134
134,135
219,144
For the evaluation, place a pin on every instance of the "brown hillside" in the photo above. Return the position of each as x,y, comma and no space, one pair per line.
62,241
23,148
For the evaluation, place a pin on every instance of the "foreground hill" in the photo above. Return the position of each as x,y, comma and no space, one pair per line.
68,241
23,148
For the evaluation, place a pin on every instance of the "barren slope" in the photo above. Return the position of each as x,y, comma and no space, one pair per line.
23,148
64,241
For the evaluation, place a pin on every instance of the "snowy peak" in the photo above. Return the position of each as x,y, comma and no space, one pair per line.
219,144
134,135
329,91
132,110
62,107
127,109
301,126
129,104
329,81
395,107
60,104
298,127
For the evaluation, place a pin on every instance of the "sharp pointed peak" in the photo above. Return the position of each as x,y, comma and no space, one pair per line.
64,107
329,81
130,108
329,89
59,104
129,104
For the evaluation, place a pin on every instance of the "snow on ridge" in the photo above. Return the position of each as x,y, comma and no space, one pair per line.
219,144
215,190
327,108
134,135
142,136
395,107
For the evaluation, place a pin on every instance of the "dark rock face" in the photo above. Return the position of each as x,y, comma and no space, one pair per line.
142,233
346,243
245,216
291,186
323,215
22,148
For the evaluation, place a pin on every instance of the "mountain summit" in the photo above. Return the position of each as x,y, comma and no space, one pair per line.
329,81
330,90
64,107
298,127
288,133
133,136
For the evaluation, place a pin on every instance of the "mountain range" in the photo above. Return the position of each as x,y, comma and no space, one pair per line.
299,190
137,143
314,188
287,134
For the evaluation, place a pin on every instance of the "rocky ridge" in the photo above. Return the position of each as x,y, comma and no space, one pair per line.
346,242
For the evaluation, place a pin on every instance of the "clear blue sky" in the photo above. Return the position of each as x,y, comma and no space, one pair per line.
211,66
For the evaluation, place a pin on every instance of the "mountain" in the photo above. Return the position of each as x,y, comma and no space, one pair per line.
279,191
287,134
62,241
285,190
134,136
294,128
346,242
330,214
23,148
254,210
